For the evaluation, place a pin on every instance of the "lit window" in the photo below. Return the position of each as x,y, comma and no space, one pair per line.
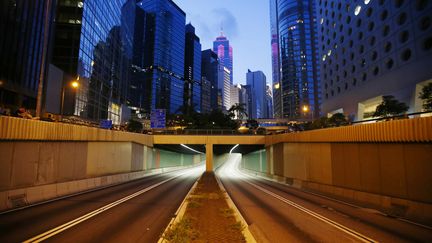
324,57
329,53
322,21
357,10
80,4
367,1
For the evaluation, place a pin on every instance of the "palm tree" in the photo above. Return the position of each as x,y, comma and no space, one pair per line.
239,110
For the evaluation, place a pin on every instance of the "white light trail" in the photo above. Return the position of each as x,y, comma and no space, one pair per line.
233,148
191,149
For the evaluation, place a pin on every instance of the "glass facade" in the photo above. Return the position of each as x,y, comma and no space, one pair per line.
298,59
274,35
192,72
93,43
210,71
165,50
23,25
257,81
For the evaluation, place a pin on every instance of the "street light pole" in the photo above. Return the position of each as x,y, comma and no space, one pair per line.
75,85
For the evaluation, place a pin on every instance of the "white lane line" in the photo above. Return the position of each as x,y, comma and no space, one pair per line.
100,210
341,227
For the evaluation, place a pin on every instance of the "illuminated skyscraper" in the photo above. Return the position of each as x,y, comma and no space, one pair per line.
274,35
224,51
299,76
192,72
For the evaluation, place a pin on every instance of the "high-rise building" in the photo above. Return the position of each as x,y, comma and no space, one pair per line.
24,41
299,76
206,88
224,90
373,48
276,77
234,95
192,71
165,50
269,102
225,53
257,81
94,45
248,97
210,71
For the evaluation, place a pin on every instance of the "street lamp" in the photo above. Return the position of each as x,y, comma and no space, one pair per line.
305,109
74,84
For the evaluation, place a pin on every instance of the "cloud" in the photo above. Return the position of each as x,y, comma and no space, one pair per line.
223,17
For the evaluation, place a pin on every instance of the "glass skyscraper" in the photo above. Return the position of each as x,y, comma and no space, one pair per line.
225,53
274,35
299,84
210,71
92,42
24,26
257,81
165,52
192,72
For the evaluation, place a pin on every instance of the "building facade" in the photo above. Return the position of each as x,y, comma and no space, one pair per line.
206,89
192,70
224,50
373,48
276,77
224,87
165,50
257,81
210,72
299,76
269,102
25,28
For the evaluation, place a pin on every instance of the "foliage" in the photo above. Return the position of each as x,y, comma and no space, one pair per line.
426,96
239,110
134,126
338,119
390,107
215,120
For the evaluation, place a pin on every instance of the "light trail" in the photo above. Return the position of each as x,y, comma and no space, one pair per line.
233,148
191,149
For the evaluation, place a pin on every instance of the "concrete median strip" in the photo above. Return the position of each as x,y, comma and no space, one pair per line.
92,214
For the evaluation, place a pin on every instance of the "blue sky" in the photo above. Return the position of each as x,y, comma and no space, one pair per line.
246,24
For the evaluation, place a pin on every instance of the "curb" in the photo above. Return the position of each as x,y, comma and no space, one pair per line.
179,213
246,232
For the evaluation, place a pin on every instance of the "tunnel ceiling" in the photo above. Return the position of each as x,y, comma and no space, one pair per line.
217,149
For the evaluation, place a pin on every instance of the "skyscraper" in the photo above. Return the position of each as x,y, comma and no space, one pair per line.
192,72
24,28
373,48
224,90
299,85
225,53
210,71
94,44
269,102
274,35
165,50
257,81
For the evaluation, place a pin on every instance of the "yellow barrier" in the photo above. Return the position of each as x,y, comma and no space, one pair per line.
12,128
406,130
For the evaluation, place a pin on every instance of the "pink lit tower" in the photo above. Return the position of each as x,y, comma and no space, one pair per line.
224,51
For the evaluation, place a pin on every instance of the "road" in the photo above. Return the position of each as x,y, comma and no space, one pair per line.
137,211
280,213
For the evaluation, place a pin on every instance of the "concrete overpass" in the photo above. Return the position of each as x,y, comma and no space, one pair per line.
385,164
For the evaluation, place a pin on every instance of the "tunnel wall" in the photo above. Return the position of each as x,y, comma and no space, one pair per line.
394,177
255,161
32,171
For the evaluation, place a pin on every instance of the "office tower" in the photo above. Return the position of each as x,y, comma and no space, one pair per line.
206,88
25,27
210,71
165,52
192,71
257,81
93,45
373,48
244,94
299,83
224,90
274,35
269,102
225,53
248,97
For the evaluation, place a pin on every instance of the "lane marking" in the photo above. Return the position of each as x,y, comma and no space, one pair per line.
341,227
65,226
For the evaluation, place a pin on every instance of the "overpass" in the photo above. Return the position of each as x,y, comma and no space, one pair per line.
385,164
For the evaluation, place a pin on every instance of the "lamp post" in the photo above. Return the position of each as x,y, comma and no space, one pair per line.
74,84
305,109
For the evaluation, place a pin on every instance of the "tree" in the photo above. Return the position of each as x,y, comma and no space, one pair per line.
426,96
134,126
239,110
338,119
390,107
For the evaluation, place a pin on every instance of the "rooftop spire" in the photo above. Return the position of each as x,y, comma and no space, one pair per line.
222,33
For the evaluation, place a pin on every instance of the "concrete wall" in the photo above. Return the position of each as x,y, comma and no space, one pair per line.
31,164
256,161
394,177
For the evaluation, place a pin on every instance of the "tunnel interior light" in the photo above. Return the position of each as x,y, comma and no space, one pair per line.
191,149
233,148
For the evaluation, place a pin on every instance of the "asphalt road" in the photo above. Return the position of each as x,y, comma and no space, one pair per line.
279,213
107,215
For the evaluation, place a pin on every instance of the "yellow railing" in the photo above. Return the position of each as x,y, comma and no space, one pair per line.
12,128
406,130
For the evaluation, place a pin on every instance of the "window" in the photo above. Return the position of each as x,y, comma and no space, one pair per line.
386,30
398,3
421,4
402,18
427,44
369,12
425,23
374,55
372,40
376,71
387,47
406,55
357,10
354,81
371,26
384,15
389,63
404,36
